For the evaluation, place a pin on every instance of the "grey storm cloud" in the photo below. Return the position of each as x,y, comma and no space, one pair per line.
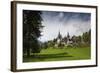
72,22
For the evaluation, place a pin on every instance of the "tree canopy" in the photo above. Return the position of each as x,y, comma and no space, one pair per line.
31,31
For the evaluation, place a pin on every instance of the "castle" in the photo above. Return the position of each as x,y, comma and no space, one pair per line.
63,41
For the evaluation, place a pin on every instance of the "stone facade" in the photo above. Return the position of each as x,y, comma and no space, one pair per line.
63,41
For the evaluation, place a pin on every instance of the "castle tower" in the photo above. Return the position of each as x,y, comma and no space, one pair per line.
68,36
59,35
59,38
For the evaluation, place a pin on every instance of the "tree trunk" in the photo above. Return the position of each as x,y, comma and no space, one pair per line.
28,52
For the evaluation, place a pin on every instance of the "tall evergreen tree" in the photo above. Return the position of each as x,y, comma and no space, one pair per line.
87,37
31,31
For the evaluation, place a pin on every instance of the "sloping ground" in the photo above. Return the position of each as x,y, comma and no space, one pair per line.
59,54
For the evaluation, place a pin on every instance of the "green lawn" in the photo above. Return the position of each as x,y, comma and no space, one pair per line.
58,54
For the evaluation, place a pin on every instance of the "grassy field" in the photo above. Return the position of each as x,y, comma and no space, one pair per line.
58,54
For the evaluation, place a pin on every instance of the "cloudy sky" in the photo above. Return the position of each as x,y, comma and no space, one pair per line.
65,22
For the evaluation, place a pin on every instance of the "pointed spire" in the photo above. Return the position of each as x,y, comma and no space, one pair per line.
59,35
68,36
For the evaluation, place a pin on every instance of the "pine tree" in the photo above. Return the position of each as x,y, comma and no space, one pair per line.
31,31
